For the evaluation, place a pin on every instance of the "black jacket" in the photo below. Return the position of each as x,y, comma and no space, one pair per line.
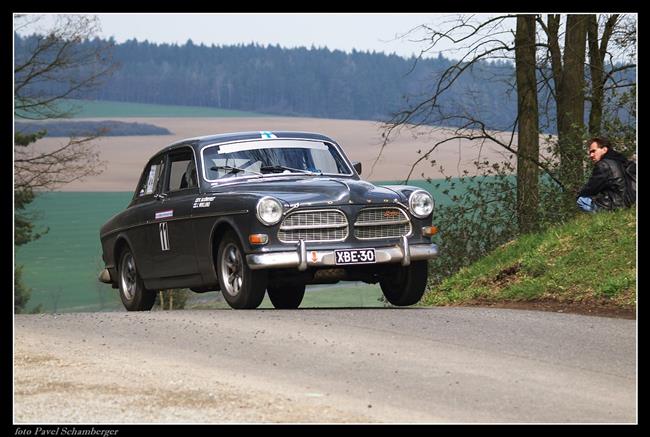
606,186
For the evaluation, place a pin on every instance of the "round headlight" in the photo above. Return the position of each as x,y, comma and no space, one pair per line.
269,210
421,203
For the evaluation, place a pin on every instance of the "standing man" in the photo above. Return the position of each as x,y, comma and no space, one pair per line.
605,189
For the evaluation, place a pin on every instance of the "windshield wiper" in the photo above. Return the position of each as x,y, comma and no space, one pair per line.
280,168
234,170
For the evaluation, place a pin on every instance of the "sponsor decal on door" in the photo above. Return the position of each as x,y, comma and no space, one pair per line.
165,214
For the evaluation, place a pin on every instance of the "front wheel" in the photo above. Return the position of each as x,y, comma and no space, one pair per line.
407,286
286,297
242,287
132,292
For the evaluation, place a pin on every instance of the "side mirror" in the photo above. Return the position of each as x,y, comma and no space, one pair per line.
357,166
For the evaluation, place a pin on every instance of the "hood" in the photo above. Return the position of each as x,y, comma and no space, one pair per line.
317,190
614,155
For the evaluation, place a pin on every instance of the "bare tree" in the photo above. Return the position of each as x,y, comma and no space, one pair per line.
604,66
36,169
476,42
63,57
569,82
560,71
66,59
597,52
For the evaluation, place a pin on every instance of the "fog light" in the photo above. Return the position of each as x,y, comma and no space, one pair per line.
429,231
258,238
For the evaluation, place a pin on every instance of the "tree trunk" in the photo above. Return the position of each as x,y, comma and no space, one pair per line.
597,54
528,125
570,104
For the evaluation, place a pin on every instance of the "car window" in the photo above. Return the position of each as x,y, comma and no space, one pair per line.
182,171
268,157
152,177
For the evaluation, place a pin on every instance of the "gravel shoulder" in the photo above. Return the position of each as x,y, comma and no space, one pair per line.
88,383
414,365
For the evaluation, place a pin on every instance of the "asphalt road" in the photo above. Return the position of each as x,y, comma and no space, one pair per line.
412,365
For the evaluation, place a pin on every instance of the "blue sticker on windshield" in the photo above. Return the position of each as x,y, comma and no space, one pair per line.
267,135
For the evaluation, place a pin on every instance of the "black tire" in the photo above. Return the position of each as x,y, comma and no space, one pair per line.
242,287
287,297
407,286
132,292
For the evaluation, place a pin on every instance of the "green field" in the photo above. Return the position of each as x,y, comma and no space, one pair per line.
108,109
61,267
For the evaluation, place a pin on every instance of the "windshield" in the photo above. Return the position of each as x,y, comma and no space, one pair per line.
262,158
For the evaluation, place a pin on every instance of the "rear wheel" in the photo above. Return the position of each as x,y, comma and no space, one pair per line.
286,297
132,292
242,287
407,286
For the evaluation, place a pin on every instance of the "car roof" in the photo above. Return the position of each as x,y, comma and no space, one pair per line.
241,136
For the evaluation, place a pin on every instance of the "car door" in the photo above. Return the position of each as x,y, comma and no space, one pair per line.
172,236
143,205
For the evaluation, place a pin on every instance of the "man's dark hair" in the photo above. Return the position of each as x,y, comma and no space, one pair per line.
602,142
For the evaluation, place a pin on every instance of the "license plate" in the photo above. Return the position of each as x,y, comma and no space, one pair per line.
355,256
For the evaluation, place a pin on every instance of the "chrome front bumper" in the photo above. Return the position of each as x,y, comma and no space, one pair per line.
303,258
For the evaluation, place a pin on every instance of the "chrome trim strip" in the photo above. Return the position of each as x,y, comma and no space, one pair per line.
401,222
326,258
219,214
174,219
292,228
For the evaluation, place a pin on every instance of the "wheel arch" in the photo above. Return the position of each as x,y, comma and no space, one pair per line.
122,242
219,229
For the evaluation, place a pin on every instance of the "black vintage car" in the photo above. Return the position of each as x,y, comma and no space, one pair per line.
254,212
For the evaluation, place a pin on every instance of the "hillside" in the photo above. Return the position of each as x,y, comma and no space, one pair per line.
587,265
56,128
109,109
303,82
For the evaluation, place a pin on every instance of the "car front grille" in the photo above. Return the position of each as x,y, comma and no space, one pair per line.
378,223
314,226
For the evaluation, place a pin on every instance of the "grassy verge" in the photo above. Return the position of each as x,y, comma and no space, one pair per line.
588,261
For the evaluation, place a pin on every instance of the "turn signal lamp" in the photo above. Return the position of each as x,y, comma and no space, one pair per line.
429,231
258,238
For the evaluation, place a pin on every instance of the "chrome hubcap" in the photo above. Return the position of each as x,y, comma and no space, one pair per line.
231,269
128,276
